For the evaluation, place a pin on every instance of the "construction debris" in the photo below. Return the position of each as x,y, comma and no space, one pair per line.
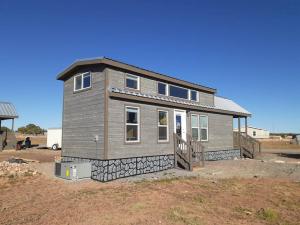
15,167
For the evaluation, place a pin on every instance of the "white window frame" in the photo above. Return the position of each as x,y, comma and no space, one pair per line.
198,127
166,89
82,75
190,95
132,77
188,90
159,125
205,116
132,124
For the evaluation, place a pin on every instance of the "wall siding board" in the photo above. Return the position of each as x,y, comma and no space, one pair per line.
83,117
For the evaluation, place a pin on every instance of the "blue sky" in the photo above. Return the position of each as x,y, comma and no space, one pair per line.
248,50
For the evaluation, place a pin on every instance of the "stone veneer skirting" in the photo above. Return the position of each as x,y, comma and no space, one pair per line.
112,169
222,155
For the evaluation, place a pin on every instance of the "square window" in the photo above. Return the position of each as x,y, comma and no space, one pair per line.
132,82
82,81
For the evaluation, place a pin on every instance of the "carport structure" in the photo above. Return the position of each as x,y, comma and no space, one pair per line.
7,112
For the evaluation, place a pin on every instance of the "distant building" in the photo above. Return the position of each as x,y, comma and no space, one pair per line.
255,132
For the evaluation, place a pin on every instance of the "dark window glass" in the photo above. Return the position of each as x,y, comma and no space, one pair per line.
132,116
162,88
254,133
132,82
162,133
178,125
193,95
86,81
132,132
204,134
78,82
178,92
195,133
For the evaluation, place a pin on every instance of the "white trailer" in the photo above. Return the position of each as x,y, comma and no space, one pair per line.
54,137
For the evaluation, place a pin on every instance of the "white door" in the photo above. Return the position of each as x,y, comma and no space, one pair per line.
180,123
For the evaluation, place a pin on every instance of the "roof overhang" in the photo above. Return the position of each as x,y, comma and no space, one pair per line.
130,68
7,111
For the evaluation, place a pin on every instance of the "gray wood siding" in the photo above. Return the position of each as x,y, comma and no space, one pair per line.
117,148
149,86
220,131
83,117
206,99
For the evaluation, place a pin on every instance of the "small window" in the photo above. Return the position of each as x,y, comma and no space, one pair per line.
82,81
132,124
163,126
254,133
132,82
195,127
194,95
204,128
178,92
162,88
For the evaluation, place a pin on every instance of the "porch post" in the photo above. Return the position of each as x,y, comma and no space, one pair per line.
12,125
239,136
246,126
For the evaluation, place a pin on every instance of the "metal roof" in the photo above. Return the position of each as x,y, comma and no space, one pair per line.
220,103
8,111
227,104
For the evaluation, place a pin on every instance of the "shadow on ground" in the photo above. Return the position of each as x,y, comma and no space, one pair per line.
289,155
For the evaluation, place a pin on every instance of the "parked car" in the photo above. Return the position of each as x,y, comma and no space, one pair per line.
54,137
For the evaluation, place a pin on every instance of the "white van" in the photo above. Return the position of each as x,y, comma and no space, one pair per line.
54,137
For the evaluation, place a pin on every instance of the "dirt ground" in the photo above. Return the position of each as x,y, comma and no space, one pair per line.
262,191
40,155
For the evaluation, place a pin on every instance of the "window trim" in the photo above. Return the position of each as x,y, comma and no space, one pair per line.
188,92
207,128
198,127
166,89
82,75
130,76
158,126
138,125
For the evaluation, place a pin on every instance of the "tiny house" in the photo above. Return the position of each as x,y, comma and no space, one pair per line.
127,120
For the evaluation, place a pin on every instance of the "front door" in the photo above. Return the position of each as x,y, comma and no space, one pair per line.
180,123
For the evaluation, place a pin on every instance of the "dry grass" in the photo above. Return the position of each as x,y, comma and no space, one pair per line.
278,144
193,201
